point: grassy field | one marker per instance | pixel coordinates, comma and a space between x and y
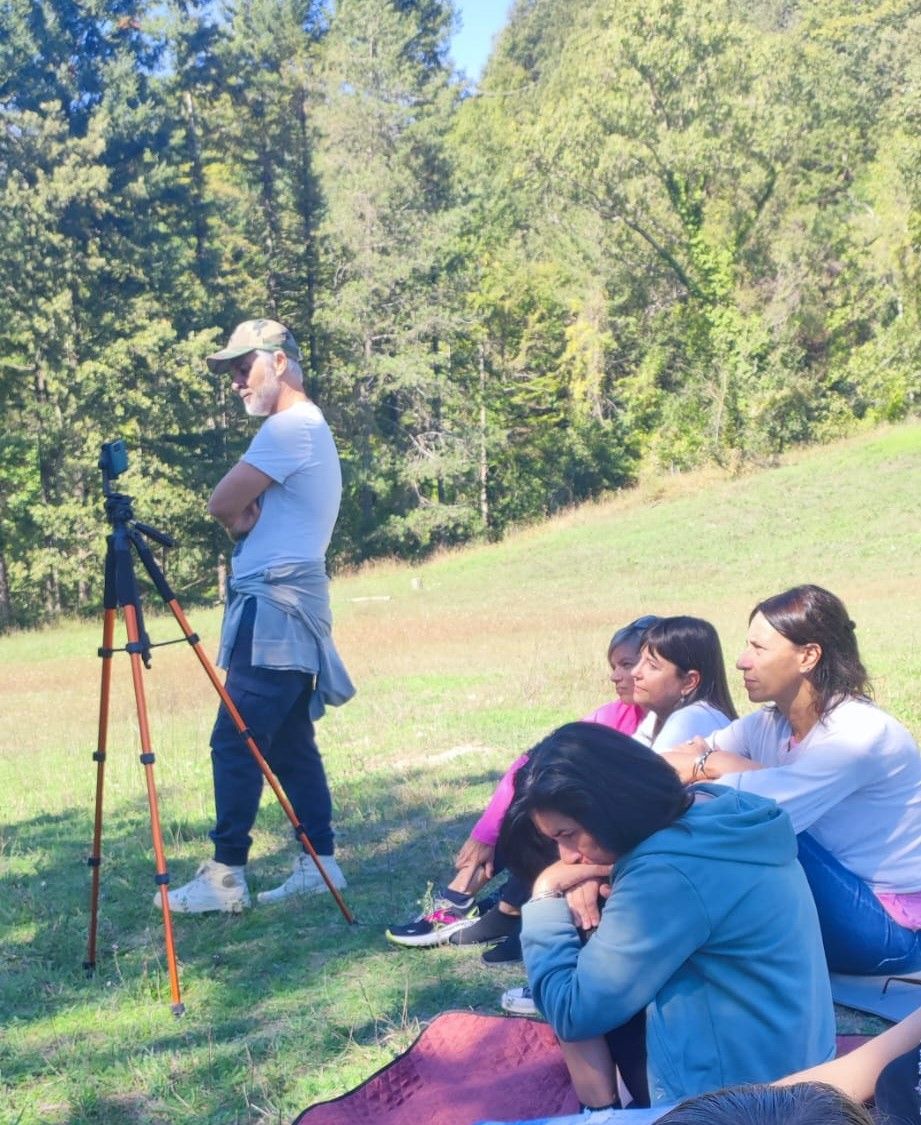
461, 664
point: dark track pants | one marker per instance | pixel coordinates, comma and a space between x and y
274, 704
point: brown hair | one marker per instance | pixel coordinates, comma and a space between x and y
812, 615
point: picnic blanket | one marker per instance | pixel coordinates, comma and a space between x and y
463, 1069
845, 1044
892, 997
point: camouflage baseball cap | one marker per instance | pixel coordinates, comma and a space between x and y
251, 336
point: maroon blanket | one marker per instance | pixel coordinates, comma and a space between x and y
465, 1068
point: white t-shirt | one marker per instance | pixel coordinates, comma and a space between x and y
699, 718
296, 449
854, 782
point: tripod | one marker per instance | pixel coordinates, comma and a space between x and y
129, 536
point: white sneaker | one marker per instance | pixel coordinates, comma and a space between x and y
215, 887
518, 1001
306, 879
599, 1116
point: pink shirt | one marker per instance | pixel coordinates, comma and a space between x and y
623, 717
904, 909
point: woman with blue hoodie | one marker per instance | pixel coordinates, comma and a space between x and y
707, 967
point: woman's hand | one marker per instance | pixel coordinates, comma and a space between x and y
683, 756
563, 877
473, 855
684, 759
583, 902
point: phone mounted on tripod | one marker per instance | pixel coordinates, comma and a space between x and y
113, 460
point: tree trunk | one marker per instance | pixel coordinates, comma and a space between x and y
484, 460
6, 600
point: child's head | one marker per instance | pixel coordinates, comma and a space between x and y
803, 1103
624, 652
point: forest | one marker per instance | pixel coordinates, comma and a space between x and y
655, 234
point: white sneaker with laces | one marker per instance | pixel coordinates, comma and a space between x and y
599, 1116
306, 879
216, 886
519, 1002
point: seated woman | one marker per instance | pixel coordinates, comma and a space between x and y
848, 775
693, 977
453, 915
680, 679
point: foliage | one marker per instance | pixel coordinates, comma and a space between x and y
660, 232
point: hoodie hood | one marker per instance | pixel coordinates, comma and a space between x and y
759, 830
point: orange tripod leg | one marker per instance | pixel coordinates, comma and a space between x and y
95, 859
147, 760
270, 777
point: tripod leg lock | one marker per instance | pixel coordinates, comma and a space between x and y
107, 653
99, 755
93, 861
147, 759
193, 638
162, 880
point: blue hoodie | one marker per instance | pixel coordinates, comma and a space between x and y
711, 927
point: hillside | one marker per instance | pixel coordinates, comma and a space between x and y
460, 664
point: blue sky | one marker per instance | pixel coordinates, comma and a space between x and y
481, 19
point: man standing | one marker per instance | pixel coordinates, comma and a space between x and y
279, 503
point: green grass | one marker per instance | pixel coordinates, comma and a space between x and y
461, 663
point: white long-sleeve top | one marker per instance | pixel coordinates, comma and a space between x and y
854, 782
698, 718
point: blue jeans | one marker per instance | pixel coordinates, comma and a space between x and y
859, 936
274, 705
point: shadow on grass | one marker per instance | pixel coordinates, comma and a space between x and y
285, 1005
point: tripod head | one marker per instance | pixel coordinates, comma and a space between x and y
121, 588
113, 461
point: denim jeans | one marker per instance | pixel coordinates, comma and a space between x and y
860, 937
274, 705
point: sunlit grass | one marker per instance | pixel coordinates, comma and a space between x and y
461, 663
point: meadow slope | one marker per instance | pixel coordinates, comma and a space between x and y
461, 663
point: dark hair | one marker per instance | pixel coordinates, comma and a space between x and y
633, 633
803, 1103
812, 615
692, 644
615, 788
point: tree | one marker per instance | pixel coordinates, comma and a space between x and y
388, 100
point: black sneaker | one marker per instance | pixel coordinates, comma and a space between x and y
505, 953
492, 926
440, 918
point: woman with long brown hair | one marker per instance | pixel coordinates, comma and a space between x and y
847, 773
